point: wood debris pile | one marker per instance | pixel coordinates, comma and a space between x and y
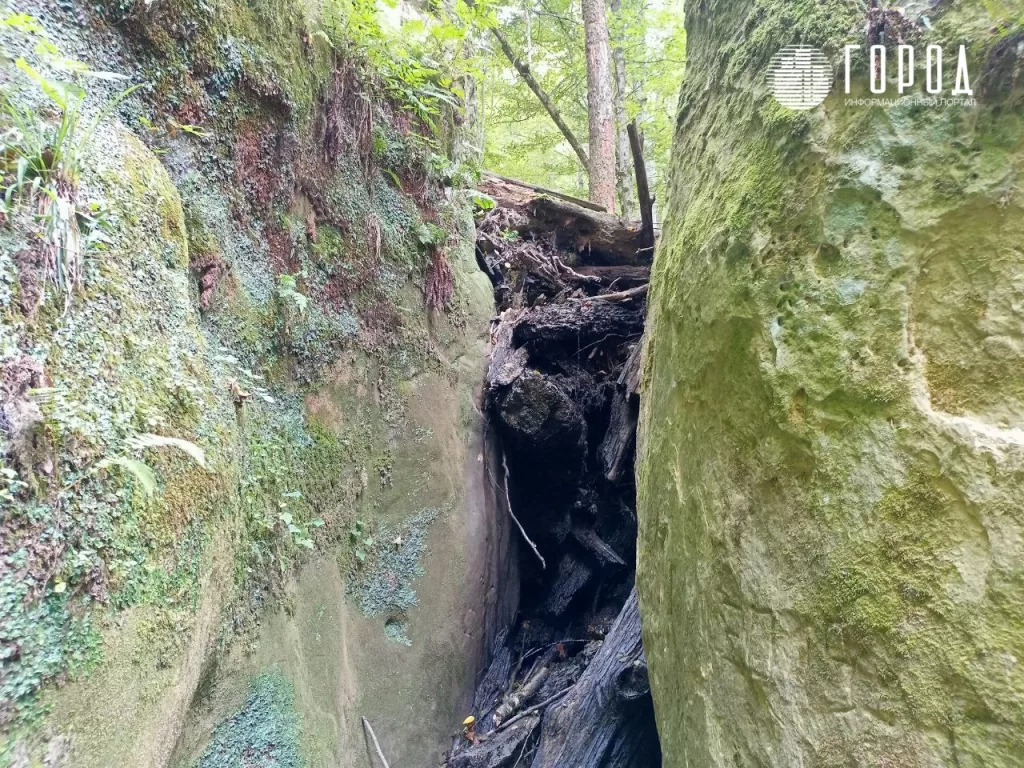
567, 682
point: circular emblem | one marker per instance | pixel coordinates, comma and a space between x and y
800, 77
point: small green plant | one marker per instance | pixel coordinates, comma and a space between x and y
299, 534
40, 159
140, 470
10, 483
483, 202
360, 540
289, 295
192, 130
430, 235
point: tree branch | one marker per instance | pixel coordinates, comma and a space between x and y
516, 519
636, 145
524, 71
376, 744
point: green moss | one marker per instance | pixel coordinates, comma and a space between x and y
872, 587
42, 639
265, 732
330, 246
200, 242
133, 355
830, 390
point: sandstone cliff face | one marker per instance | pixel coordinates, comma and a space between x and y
272, 238
831, 558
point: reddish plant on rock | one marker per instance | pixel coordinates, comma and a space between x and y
440, 284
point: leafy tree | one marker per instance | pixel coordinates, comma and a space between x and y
520, 138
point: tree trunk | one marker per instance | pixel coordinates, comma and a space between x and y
831, 442
623, 167
605, 720
599, 105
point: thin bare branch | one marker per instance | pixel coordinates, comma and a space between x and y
376, 744
516, 519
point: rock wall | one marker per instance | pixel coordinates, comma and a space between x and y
283, 282
831, 558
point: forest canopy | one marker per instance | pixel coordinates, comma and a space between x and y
520, 140
528, 94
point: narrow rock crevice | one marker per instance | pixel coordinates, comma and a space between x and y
567, 681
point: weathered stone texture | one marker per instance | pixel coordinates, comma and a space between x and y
831, 460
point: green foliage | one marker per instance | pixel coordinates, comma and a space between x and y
279, 485
39, 160
520, 140
126, 522
265, 733
420, 61
430, 235
41, 639
483, 202
140, 470
289, 295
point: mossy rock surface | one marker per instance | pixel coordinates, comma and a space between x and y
265, 303
831, 564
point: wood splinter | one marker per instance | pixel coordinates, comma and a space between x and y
514, 701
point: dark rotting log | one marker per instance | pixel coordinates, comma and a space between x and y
562, 391
630, 376
492, 685
579, 323
607, 718
573, 575
590, 541
507, 362
500, 750
539, 416
619, 276
598, 238
617, 446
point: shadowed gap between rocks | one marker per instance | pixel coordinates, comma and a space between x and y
567, 681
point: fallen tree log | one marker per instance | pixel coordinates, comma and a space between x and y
600, 239
545, 191
607, 718
619, 276
501, 750
578, 322
590, 541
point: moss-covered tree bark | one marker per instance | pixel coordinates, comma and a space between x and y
832, 439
